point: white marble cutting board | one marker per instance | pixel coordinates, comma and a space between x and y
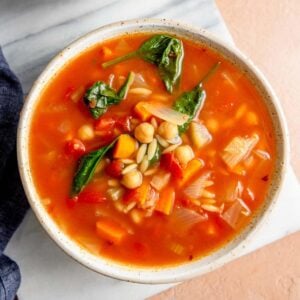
31, 32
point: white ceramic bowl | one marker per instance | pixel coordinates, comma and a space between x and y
146, 274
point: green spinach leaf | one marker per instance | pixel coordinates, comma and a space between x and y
100, 96
190, 103
165, 52
86, 168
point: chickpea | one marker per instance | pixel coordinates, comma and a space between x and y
168, 130
184, 154
144, 133
132, 179
86, 132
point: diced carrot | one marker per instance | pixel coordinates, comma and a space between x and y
105, 52
110, 230
194, 166
141, 112
125, 146
139, 194
166, 201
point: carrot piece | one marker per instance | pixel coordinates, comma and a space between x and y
141, 112
110, 230
125, 146
192, 168
139, 194
166, 201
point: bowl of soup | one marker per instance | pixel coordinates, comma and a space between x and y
150, 151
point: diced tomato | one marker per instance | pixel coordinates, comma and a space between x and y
91, 197
75, 148
110, 127
71, 202
123, 123
105, 124
171, 164
68, 92
114, 169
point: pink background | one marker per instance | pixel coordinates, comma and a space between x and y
269, 33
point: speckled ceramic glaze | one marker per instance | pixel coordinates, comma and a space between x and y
147, 274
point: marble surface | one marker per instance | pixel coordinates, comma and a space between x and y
35, 31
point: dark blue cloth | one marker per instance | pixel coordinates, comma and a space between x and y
13, 203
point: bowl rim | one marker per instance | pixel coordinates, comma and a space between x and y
114, 269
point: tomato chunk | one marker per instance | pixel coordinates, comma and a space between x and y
114, 169
171, 164
74, 148
123, 123
91, 197
105, 123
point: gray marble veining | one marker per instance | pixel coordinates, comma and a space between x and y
33, 31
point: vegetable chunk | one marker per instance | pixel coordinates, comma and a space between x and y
238, 149
110, 230
125, 146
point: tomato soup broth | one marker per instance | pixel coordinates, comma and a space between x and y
200, 191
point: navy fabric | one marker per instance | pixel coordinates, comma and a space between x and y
13, 203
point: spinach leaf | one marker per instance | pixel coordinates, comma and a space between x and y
171, 64
190, 103
86, 168
165, 52
100, 96
122, 93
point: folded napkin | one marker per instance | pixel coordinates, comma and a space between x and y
13, 203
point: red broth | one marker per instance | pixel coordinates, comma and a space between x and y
180, 229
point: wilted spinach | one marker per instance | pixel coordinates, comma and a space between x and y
190, 103
165, 52
86, 168
100, 96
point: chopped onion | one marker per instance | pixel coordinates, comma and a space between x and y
232, 214
139, 81
246, 211
234, 190
151, 200
159, 181
182, 219
195, 189
238, 149
111, 78
229, 79
166, 113
199, 134
262, 154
